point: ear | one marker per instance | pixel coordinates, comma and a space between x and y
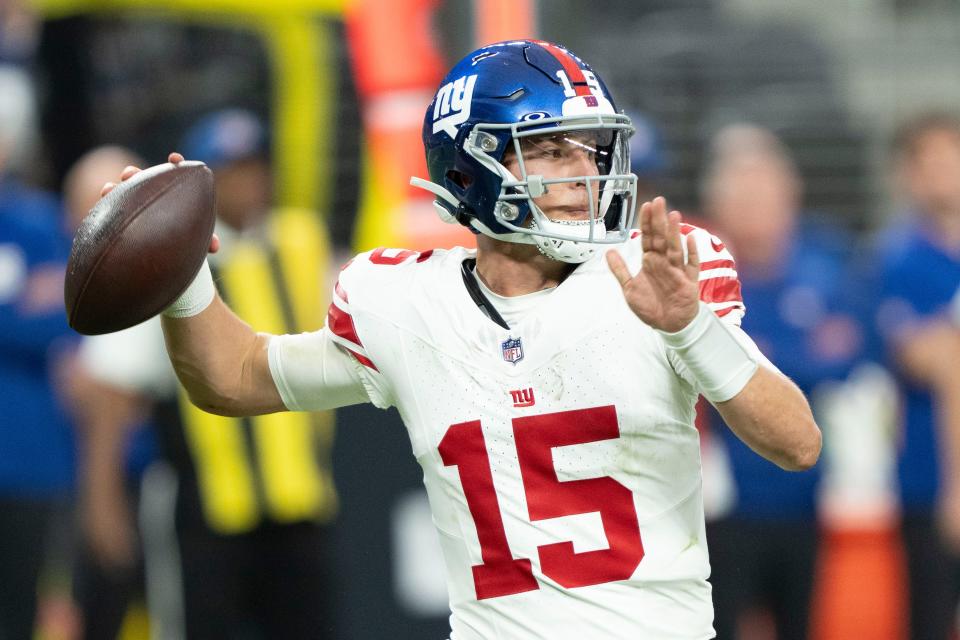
459, 178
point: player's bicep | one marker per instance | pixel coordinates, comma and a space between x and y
312, 373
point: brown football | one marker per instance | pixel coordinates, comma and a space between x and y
139, 247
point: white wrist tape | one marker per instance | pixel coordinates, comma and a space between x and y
196, 298
717, 361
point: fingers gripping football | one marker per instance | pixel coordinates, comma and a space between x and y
130, 171
665, 292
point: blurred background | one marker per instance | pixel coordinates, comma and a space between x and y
818, 139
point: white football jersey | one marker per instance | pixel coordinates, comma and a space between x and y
560, 456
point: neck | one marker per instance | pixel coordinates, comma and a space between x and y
509, 269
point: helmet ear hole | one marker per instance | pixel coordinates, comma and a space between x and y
611, 219
459, 178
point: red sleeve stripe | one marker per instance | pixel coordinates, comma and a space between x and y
365, 361
720, 290
345, 334
722, 312
341, 324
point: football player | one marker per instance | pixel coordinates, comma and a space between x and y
547, 379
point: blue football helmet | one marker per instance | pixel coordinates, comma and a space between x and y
492, 109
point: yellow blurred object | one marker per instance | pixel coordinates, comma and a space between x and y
136, 624
61, 8
299, 43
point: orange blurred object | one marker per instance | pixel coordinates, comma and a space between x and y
398, 66
498, 20
861, 585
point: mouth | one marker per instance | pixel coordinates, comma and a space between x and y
570, 213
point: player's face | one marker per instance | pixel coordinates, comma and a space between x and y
567, 155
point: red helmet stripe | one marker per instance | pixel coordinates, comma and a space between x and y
570, 66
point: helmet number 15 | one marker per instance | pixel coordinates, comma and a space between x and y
568, 89
501, 574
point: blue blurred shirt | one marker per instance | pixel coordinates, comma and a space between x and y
799, 320
36, 441
917, 280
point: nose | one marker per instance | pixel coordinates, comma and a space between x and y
581, 163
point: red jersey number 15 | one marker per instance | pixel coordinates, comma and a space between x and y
501, 574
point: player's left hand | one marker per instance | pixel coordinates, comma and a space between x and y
665, 293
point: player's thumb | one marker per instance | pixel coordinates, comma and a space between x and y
618, 267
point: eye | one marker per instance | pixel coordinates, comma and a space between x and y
545, 151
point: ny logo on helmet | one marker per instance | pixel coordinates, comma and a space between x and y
452, 106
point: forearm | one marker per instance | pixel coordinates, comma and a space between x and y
221, 362
772, 416
762, 406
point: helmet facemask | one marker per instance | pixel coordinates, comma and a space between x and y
576, 170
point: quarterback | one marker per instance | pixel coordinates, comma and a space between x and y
548, 379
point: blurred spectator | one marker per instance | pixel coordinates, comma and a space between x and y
763, 549
36, 449
109, 566
254, 496
918, 265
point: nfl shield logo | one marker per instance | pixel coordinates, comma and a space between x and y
512, 350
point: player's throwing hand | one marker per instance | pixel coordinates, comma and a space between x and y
664, 293
130, 171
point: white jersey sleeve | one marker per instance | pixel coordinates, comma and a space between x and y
313, 373
335, 367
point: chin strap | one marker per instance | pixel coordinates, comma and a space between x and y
467, 268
